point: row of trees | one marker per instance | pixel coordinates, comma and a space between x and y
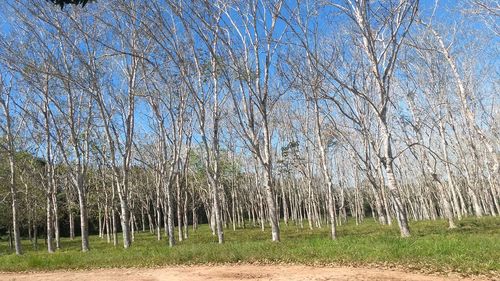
144, 115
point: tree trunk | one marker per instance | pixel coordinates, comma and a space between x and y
392, 183
268, 187
170, 215
12, 177
125, 218
83, 217
178, 205
50, 224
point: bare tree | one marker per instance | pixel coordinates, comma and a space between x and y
6, 102
252, 46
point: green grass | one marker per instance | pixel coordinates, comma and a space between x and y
472, 248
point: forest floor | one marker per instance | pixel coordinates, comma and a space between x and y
234, 272
365, 251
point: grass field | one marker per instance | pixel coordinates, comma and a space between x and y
473, 248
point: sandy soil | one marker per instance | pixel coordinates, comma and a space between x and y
231, 272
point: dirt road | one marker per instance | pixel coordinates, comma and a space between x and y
230, 272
